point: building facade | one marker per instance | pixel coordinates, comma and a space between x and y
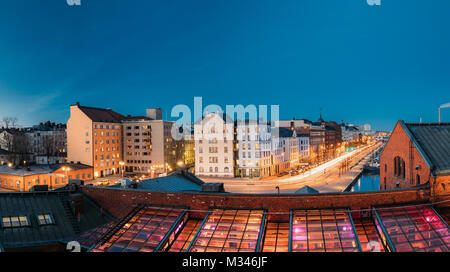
148, 144
214, 145
416, 154
253, 144
94, 137
54, 175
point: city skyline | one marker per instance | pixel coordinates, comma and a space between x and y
360, 63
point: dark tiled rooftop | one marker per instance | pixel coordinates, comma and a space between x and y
102, 115
59, 206
434, 139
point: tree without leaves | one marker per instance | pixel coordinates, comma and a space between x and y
9, 122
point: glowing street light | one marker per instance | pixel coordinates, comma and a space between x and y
66, 169
122, 166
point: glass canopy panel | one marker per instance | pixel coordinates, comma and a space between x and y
415, 228
323, 231
368, 236
229, 231
276, 237
183, 240
144, 231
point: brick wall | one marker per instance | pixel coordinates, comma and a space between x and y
400, 145
120, 201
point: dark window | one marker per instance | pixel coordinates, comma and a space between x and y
399, 167
418, 179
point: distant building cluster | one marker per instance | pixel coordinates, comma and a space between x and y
248, 148
215, 146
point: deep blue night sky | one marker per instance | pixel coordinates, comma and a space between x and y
360, 63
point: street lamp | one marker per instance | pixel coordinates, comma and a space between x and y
122, 166
66, 169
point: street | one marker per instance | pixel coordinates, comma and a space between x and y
325, 178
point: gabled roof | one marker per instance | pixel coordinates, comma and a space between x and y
433, 142
306, 190
102, 115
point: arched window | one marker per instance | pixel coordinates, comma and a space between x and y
216, 169
226, 169
210, 169
399, 167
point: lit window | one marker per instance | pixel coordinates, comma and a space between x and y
45, 219
15, 221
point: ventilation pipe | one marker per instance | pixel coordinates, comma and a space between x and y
442, 107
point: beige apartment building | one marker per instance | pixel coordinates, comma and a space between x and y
148, 144
112, 142
94, 137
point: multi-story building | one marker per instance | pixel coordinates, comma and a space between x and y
303, 147
15, 142
148, 144
185, 150
253, 144
349, 132
94, 137
214, 145
290, 148
47, 143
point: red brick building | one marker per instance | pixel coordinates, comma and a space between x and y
416, 154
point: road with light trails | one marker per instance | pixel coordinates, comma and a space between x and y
325, 178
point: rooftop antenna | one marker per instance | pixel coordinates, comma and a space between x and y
442, 107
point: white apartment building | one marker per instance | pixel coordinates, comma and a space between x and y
148, 144
214, 149
303, 146
349, 133
290, 146
254, 145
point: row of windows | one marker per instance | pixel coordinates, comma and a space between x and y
24, 221
213, 160
105, 126
139, 161
212, 170
138, 127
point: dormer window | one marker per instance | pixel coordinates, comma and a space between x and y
15, 221
45, 219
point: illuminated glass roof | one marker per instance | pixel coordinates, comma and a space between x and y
413, 228
151, 228
368, 236
229, 231
276, 237
323, 231
183, 240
